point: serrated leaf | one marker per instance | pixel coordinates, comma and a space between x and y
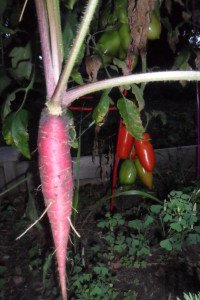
131, 117
15, 131
139, 95
102, 108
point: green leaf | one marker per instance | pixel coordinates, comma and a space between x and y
119, 63
131, 117
166, 244
167, 218
176, 226
139, 94
80, 55
193, 238
156, 114
73, 137
148, 221
23, 70
6, 30
102, 108
6, 106
19, 54
135, 224
69, 31
21, 61
46, 268
15, 131
69, 3
181, 60
156, 208
77, 77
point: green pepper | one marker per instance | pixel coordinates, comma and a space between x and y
125, 36
127, 173
121, 10
154, 27
108, 45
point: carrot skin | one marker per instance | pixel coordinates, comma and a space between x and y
57, 184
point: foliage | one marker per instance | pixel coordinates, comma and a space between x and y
125, 239
190, 296
21, 62
96, 283
179, 220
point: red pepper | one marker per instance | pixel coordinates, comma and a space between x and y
145, 152
125, 142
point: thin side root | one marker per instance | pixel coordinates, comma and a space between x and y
42, 215
23, 9
72, 226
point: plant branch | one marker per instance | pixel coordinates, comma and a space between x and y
45, 46
82, 32
86, 89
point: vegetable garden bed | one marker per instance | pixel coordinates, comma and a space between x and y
118, 256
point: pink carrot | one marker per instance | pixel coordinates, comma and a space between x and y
57, 184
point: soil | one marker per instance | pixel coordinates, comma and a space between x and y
160, 276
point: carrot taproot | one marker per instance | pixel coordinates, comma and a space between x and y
57, 184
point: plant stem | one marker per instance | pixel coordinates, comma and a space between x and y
86, 89
55, 36
45, 45
82, 32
